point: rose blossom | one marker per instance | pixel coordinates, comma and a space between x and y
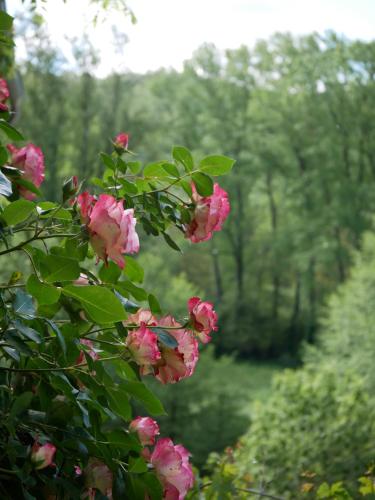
98, 477
203, 318
122, 140
146, 428
210, 213
143, 346
172, 466
42, 455
112, 229
3, 108
179, 362
30, 161
91, 352
4, 90
141, 316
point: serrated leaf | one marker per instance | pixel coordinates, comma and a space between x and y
171, 169
59, 268
108, 161
182, 155
216, 165
171, 242
128, 187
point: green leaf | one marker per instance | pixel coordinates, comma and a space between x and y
171, 169
137, 465
137, 292
17, 211
142, 394
203, 184
171, 243
108, 161
128, 187
59, 335
58, 268
44, 294
27, 332
29, 186
13, 338
216, 165
100, 303
23, 304
154, 304
5, 185
133, 270
10, 131
3, 155
183, 156
109, 273
6, 21
166, 338
155, 170
135, 166
20, 404
153, 485
128, 304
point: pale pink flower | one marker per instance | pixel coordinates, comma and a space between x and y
30, 161
141, 316
91, 352
112, 230
173, 469
210, 213
146, 428
143, 346
122, 140
4, 90
98, 477
42, 455
82, 280
179, 362
203, 318
86, 203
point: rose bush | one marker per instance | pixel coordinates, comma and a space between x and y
78, 332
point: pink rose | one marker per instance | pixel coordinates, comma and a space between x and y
98, 477
3, 108
210, 213
112, 229
143, 346
179, 362
122, 141
30, 161
4, 90
173, 469
141, 316
91, 352
42, 455
203, 318
146, 428
86, 203
82, 280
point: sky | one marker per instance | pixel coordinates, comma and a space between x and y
168, 31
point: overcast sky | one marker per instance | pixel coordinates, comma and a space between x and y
168, 31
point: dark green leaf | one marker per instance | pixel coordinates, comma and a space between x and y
183, 156
20, 404
137, 465
216, 165
23, 304
109, 273
100, 303
137, 292
171, 169
13, 338
135, 166
3, 155
140, 392
108, 161
203, 184
154, 304
171, 243
27, 332
59, 335
17, 211
10, 131
29, 186
6, 21
155, 170
165, 337
128, 304
128, 187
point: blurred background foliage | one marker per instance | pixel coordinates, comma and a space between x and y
298, 114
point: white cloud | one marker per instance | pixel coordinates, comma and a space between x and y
168, 31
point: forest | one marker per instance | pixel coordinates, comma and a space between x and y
283, 398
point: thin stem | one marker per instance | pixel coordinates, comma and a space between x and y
56, 369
